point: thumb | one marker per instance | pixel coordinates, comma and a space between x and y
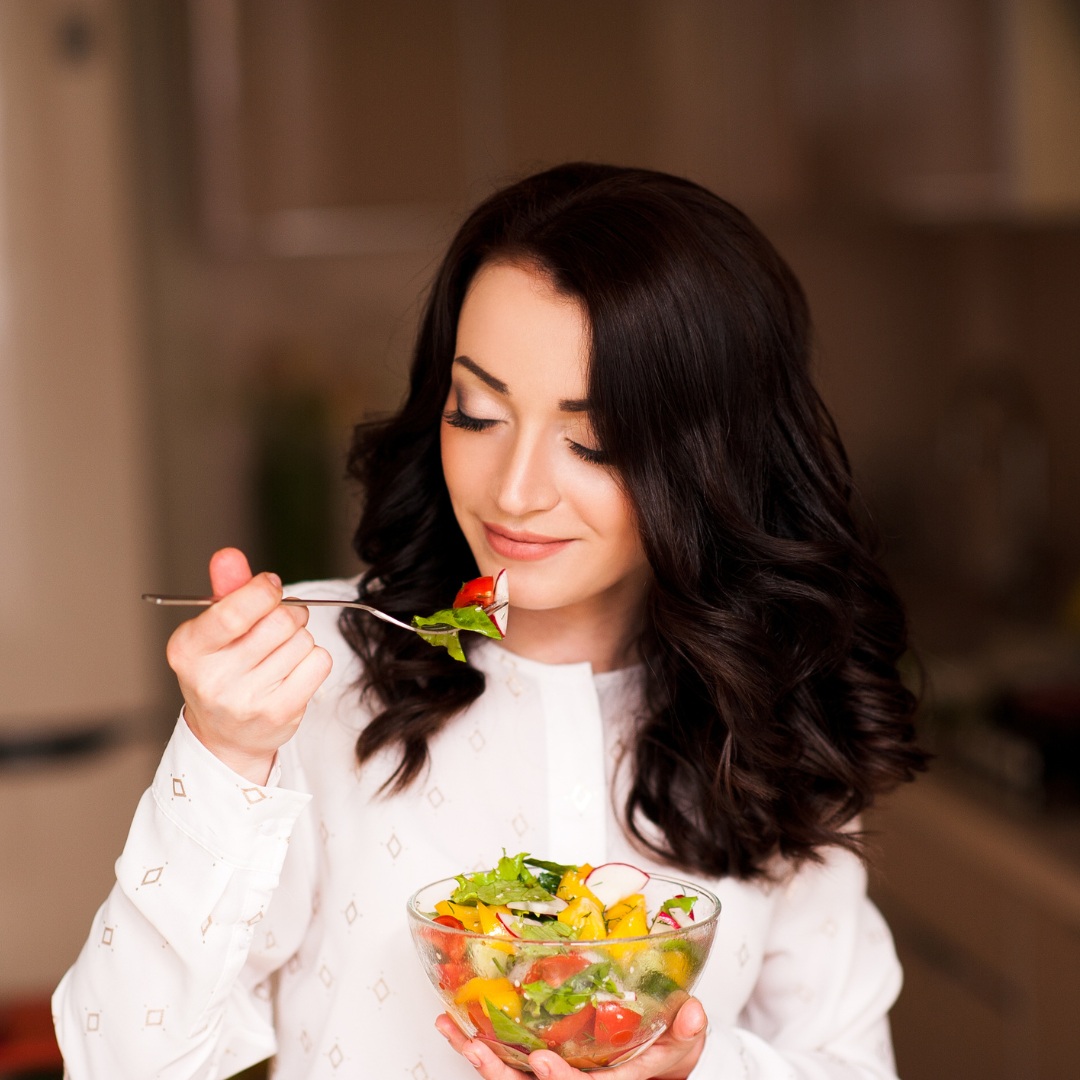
229, 570
689, 1021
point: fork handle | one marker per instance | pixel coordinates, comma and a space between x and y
295, 601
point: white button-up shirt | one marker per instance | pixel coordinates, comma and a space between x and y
250, 921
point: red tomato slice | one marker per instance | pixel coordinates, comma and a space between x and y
569, 1027
476, 593
555, 970
480, 1020
451, 945
454, 974
615, 1025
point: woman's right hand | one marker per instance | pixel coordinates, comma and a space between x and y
247, 667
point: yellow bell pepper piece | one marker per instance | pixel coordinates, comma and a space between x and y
676, 966
627, 919
466, 914
500, 992
488, 915
586, 917
573, 887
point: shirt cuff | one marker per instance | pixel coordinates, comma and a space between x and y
245, 824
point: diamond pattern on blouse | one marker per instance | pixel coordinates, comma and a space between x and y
153, 875
393, 845
514, 686
436, 797
477, 740
326, 976
351, 913
271, 941
520, 825
336, 1056
324, 832
206, 925
253, 795
93, 1021
418, 1071
178, 788
107, 936
293, 964
381, 990
580, 797
262, 990
743, 955
154, 1018
257, 917
305, 1040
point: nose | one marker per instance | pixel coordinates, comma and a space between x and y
526, 481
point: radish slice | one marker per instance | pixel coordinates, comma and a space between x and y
538, 907
664, 922
506, 924
613, 881
501, 596
681, 918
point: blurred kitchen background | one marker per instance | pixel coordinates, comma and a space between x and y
216, 219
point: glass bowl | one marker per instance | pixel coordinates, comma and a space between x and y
594, 1003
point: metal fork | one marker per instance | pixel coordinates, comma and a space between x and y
295, 601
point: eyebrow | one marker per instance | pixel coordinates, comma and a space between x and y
571, 405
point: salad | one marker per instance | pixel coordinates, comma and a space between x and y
481, 605
588, 961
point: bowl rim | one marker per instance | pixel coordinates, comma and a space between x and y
675, 932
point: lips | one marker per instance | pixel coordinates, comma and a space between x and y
523, 546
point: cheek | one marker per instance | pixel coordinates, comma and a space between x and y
462, 467
606, 508
453, 462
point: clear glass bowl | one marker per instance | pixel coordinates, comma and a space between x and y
650, 977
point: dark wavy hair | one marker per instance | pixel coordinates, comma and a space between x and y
773, 709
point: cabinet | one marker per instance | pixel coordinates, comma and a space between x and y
955, 110
986, 915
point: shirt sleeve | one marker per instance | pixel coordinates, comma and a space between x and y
819, 1010
159, 988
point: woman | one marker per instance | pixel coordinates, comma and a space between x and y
610, 397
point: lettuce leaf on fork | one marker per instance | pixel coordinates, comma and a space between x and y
462, 618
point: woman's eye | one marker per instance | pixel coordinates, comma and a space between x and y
456, 418
594, 457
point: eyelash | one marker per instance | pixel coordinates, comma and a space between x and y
457, 418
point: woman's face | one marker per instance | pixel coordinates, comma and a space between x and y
522, 465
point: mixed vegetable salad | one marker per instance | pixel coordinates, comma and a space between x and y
572, 960
481, 605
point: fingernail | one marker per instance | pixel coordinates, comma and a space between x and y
541, 1068
274, 579
472, 1058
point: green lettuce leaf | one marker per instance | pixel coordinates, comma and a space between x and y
545, 930
463, 618
510, 1031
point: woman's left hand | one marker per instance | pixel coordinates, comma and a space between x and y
671, 1057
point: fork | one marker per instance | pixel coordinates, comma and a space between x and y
295, 601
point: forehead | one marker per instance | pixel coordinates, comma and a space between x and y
515, 325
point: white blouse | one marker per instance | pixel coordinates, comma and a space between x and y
252, 921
